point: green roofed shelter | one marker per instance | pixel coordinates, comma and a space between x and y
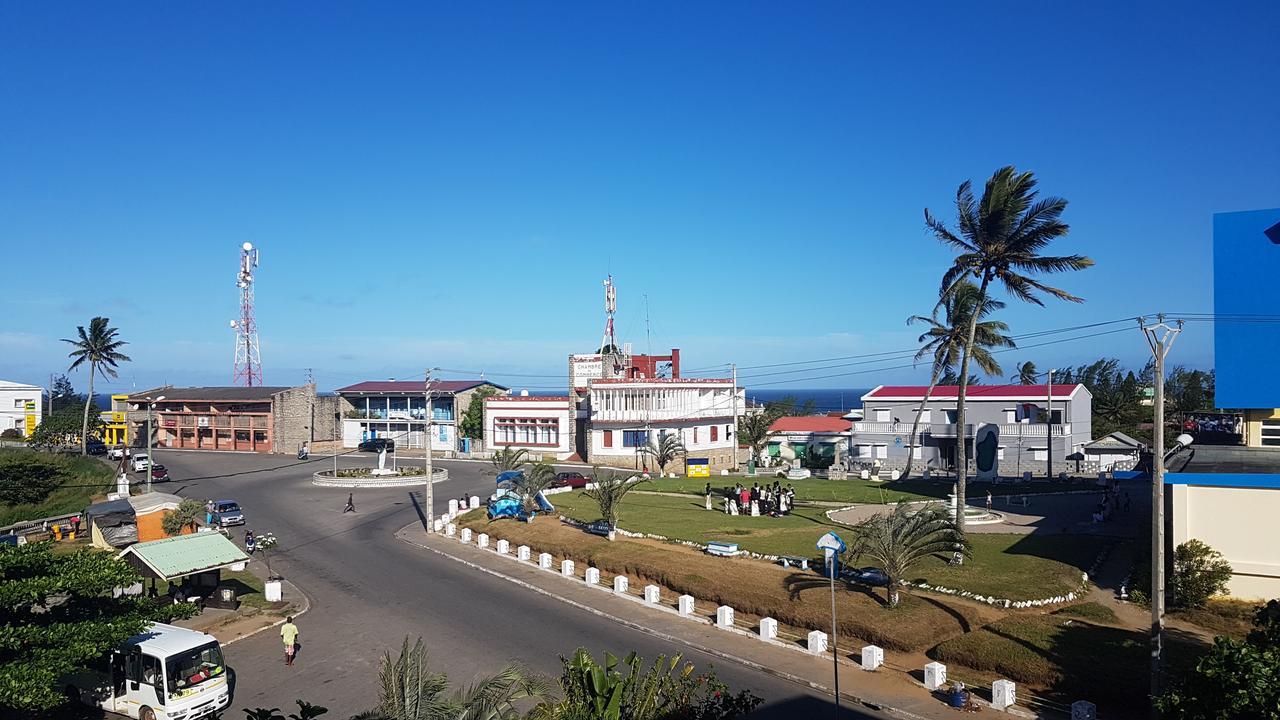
184, 555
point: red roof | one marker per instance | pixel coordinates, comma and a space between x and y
812, 424
411, 387
942, 392
527, 398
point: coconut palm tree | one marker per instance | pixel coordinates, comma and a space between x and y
944, 340
1000, 239
508, 459
900, 539
609, 490
1026, 374
669, 448
99, 347
753, 430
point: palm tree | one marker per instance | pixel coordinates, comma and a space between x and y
898, 540
944, 341
669, 448
100, 348
1027, 374
1000, 240
507, 459
609, 490
539, 477
754, 431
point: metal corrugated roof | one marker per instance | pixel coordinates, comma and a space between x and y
411, 387
186, 554
258, 392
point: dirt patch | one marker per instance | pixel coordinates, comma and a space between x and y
796, 598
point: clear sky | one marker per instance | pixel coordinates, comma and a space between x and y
447, 185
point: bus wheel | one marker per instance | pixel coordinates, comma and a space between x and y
146, 713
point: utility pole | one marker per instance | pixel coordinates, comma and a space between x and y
431, 495
1160, 337
733, 446
1048, 430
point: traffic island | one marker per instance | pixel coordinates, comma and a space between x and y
372, 478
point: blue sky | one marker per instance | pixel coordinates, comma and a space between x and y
447, 185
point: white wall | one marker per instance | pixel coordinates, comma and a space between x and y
1237, 522
533, 409
13, 397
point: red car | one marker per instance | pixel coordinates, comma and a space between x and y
574, 480
159, 472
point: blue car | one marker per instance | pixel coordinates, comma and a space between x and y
872, 576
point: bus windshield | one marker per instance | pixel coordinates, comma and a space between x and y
188, 669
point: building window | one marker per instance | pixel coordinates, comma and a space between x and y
715, 429
882, 451
1000, 453
882, 415
523, 431
608, 438
1011, 415
926, 416
635, 438
695, 435
1040, 453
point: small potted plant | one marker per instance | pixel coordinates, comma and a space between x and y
266, 542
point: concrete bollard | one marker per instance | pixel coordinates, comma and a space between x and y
651, 594
566, 568
872, 657
620, 583
503, 547
684, 604
724, 616
1003, 694
817, 643
482, 540
453, 507
450, 530
935, 675
895, 474
865, 475
592, 576
544, 561
473, 502
768, 629
438, 525
522, 553
1084, 710
465, 536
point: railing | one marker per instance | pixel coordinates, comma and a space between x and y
671, 414
948, 430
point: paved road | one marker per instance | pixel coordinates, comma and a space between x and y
368, 590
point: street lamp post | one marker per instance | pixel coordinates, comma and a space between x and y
1160, 337
151, 408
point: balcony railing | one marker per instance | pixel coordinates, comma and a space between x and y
948, 430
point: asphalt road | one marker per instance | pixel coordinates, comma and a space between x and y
369, 590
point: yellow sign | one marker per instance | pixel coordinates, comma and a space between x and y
31, 424
117, 417
697, 468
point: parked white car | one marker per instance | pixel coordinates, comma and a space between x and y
116, 453
141, 462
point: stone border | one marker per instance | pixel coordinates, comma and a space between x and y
326, 479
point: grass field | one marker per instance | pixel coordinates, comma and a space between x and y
1017, 567
81, 479
853, 491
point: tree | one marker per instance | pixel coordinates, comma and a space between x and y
266, 544
62, 393
100, 348
507, 459
64, 427
608, 493
753, 430
57, 615
187, 515
1235, 679
944, 340
537, 478
668, 448
1199, 573
1000, 240
899, 539
471, 425
1027, 374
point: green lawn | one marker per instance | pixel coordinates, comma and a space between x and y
249, 591
1018, 567
854, 491
81, 479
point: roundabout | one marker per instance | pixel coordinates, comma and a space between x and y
369, 478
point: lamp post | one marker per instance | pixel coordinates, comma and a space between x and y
1048, 428
1160, 337
151, 408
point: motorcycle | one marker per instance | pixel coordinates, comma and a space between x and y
250, 544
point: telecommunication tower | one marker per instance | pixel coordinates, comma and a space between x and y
609, 344
247, 366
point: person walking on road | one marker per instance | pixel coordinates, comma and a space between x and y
988, 501
289, 633
351, 504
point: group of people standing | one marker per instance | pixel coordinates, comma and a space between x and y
773, 500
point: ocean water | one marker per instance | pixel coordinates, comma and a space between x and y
824, 399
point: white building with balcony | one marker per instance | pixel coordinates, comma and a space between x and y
397, 409
626, 414
1034, 422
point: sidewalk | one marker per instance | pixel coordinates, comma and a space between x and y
890, 689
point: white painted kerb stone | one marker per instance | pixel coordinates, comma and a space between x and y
620, 583
768, 629
817, 643
1003, 694
724, 616
482, 540
935, 675
503, 547
651, 594
872, 657
544, 561
474, 503
522, 553
437, 525
684, 605
592, 576
453, 507
465, 536
566, 568
450, 530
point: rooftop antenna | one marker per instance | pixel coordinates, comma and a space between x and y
247, 367
648, 344
609, 343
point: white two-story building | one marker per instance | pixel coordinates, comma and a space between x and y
628, 414
21, 406
397, 409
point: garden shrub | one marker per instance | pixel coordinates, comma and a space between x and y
1199, 573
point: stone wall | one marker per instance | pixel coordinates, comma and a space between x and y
299, 415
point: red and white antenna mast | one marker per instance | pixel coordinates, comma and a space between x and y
609, 344
247, 367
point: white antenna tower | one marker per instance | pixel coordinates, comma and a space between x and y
609, 344
247, 366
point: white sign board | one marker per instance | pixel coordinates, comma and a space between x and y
584, 368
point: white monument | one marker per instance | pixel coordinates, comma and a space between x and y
382, 464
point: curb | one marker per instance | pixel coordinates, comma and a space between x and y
662, 635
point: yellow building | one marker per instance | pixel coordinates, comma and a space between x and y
1262, 428
115, 429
